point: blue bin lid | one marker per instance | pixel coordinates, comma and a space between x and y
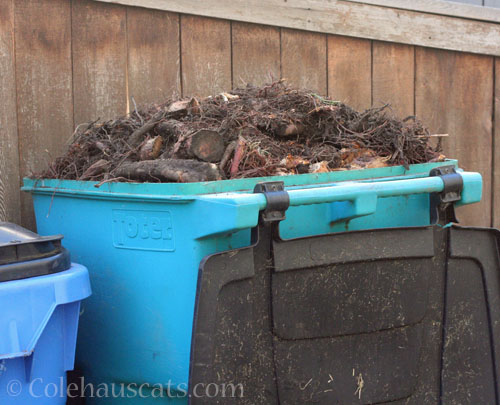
25, 254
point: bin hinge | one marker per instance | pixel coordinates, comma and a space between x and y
277, 199
441, 204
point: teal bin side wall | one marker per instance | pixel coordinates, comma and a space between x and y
137, 325
143, 244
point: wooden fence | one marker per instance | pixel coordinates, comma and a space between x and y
64, 62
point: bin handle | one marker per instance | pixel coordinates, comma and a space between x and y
355, 191
239, 211
471, 192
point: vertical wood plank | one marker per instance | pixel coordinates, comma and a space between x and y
454, 95
99, 60
394, 77
206, 55
496, 163
10, 204
44, 87
349, 71
256, 54
153, 54
303, 59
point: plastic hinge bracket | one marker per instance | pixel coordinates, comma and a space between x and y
442, 204
277, 200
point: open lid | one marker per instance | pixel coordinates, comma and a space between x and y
26, 254
393, 315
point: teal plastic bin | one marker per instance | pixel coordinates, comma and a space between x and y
143, 244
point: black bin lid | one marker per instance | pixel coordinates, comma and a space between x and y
25, 254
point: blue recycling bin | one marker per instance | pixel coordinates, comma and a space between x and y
40, 294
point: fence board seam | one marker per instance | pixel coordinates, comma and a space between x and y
494, 123
371, 73
127, 62
181, 84
16, 96
72, 61
326, 63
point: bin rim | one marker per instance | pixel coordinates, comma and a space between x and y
185, 192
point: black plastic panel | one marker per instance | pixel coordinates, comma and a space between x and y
327, 370
472, 324
386, 316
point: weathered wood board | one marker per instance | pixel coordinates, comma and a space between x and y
153, 55
473, 2
454, 95
256, 54
10, 205
349, 71
303, 60
99, 60
206, 55
351, 19
44, 85
447, 7
394, 77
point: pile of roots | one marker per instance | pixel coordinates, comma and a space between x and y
250, 132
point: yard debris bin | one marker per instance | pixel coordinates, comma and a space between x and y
161, 312
40, 294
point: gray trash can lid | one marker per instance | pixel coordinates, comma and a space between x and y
26, 254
